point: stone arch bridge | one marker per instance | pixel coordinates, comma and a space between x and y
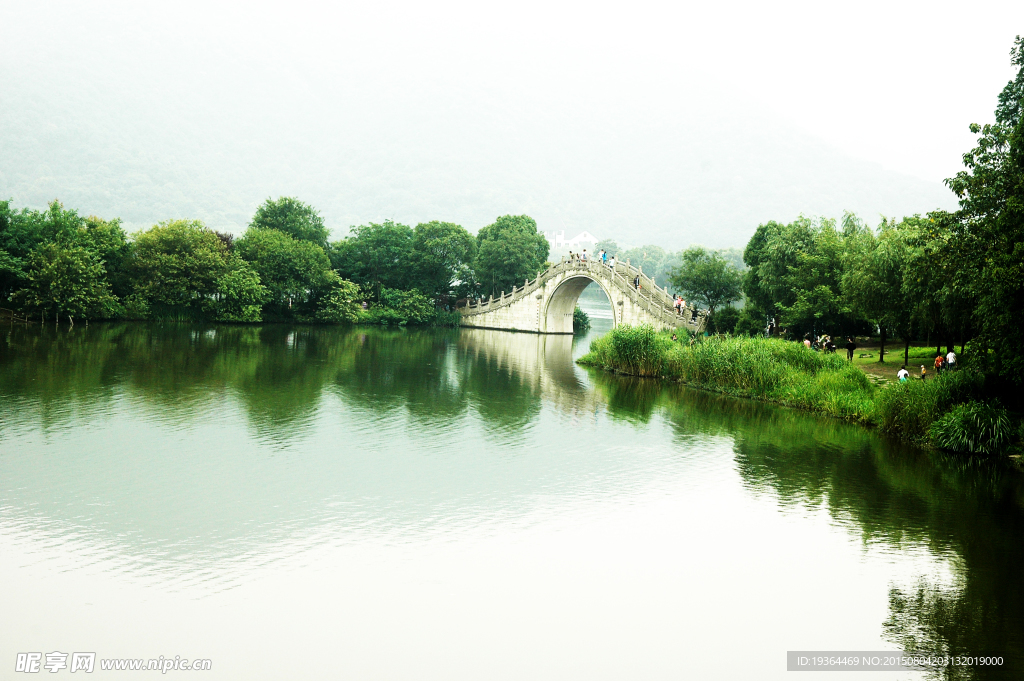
546, 304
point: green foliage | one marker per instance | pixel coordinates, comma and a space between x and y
761, 368
341, 303
749, 323
294, 272
176, 269
633, 350
293, 217
401, 307
442, 259
795, 273
706, 278
987, 232
509, 252
68, 281
240, 294
725, 320
376, 256
973, 428
580, 320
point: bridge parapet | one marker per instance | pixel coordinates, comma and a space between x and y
545, 305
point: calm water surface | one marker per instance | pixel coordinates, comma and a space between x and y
299, 503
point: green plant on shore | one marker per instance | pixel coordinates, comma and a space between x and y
580, 320
948, 411
973, 428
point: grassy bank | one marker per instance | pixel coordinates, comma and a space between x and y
947, 411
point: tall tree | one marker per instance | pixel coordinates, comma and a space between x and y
705, 277
293, 217
68, 281
376, 256
987, 239
795, 273
442, 258
176, 268
509, 251
294, 272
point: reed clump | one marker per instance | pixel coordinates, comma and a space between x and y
950, 411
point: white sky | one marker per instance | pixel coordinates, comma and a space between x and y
893, 83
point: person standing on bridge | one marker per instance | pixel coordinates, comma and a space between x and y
583, 257
611, 263
636, 282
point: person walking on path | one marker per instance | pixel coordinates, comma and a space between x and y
924, 373
850, 347
951, 360
939, 362
903, 374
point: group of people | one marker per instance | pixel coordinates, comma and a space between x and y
942, 363
823, 342
602, 257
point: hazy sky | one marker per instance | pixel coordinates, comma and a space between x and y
894, 84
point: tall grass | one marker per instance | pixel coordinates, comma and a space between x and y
760, 368
947, 411
973, 428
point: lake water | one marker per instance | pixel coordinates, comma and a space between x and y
364, 503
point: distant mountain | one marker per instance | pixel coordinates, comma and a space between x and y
149, 146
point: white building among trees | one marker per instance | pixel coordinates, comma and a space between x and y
581, 240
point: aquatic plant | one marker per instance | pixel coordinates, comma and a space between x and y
973, 428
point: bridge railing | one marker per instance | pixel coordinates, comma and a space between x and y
655, 300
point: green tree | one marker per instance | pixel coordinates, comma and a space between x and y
987, 240
376, 256
341, 303
874, 281
608, 245
293, 217
442, 258
509, 251
705, 277
795, 274
655, 261
294, 272
176, 268
240, 295
108, 240
68, 281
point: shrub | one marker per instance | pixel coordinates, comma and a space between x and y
580, 320
973, 428
907, 408
725, 319
400, 307
446, 318
341, 304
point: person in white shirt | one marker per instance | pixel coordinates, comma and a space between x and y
951, 360
903, 374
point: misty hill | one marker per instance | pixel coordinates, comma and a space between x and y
114, 132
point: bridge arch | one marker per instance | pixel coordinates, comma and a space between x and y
546, 304
556, 317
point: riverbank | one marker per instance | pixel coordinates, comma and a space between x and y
949, 412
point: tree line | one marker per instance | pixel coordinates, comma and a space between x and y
949, 277
56, 264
